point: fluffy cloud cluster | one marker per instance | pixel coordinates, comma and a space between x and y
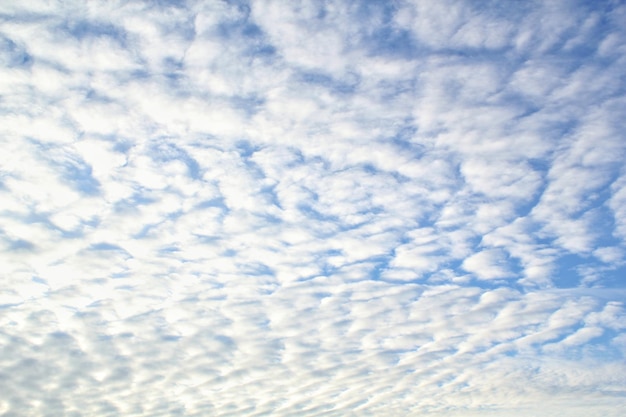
233, 208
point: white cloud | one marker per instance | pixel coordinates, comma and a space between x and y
487, 264
306, 209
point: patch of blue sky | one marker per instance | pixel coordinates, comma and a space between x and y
217, 202
247, 35
525, 207
381, 12
183, 26
240, 28
204, 239
165, 152
494, 284
33, 218
249, 105
140, 197
174, 72
389, 90
598, 347
404, 137
169, 4
369, 168
269, 219
79, 230
108, 247
14, 245
246, 149
170, 337
122, 275
120, 144
149, 230
84, 29
347, 85
74, 171
79, 175
594, 274
39, 280
568, 270
604, 343
96, 96
379, 265
13, 55
604, 220
393, 42
497, 10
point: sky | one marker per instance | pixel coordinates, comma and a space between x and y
312, 208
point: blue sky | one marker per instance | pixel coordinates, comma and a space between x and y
314, 208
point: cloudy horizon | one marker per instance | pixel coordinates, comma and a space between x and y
312, 208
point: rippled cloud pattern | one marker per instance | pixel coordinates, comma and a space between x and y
312, 208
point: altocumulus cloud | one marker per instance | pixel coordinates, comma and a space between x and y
312, 208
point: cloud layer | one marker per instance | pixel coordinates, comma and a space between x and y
307, 209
